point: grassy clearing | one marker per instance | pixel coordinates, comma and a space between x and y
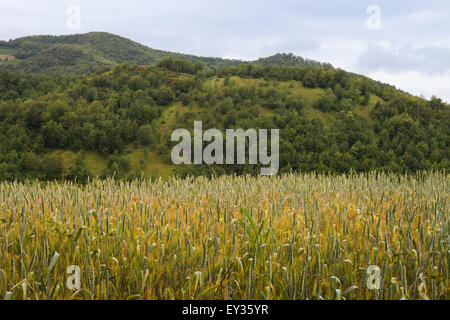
143, 161
7, 51
292, 87
95, 162
149, 163
289, 237
6, 56
172, 114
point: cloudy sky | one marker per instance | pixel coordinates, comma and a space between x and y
404, 43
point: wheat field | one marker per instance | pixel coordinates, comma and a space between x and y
299, 236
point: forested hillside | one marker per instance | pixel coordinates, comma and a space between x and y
96, 51
119, 121
85, 53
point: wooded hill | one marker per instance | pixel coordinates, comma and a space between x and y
97, 51
118, 120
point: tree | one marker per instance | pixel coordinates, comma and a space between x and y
295, 102
310, 80
92, 94
145, 135
52, 166
327, 101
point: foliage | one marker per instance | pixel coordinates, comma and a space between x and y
96, 51
290, 60
87, 53
329, 120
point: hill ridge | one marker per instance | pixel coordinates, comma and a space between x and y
89, 52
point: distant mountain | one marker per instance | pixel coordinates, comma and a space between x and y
91, 52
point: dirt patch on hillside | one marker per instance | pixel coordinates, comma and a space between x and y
6, 57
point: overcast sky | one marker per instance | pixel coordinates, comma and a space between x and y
404, 43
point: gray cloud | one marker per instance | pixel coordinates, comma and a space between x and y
429, 60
